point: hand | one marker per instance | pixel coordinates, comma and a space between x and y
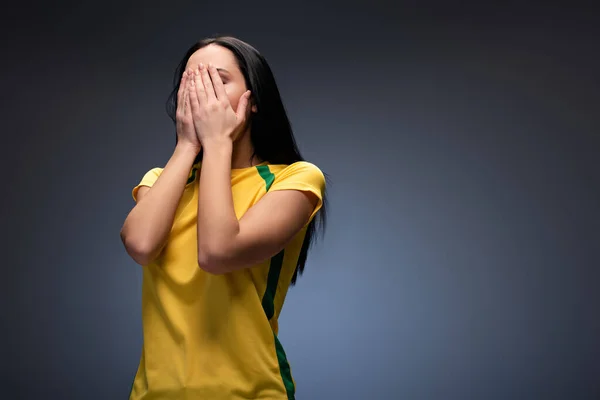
186, 134
214, 118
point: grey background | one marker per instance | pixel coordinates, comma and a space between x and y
462, 142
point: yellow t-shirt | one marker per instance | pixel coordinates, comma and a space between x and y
211, 336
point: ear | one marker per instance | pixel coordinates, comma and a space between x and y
251, 100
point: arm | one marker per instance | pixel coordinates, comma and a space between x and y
226, 244
146, 228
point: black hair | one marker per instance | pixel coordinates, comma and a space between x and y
271, 133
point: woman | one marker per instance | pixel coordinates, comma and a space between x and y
222, 231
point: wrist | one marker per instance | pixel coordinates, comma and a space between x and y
217, 145
187, 148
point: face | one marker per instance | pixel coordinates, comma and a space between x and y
226, 64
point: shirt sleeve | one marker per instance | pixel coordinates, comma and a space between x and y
302, 176
148, 180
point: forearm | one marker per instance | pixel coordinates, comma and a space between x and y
217, 222
147, 226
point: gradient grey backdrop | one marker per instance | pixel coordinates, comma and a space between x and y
462, 256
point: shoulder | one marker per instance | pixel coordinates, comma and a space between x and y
156, 171
299, 175
148, 179
151, 175
304, 168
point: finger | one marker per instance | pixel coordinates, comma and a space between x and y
217, 83
199, 87
242, 106
186, 101
182, 88
193, 97
208, 85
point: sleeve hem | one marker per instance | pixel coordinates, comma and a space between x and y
303, 187
135, 190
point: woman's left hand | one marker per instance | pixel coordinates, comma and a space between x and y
214, 118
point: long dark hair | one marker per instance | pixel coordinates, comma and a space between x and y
271, 132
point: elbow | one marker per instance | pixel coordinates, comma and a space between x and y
211, 261
142, 252
141, 255
141, 258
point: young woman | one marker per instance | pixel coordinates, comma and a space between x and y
222, 231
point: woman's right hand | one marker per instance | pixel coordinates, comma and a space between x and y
186, 134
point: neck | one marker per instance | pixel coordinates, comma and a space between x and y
242, 152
